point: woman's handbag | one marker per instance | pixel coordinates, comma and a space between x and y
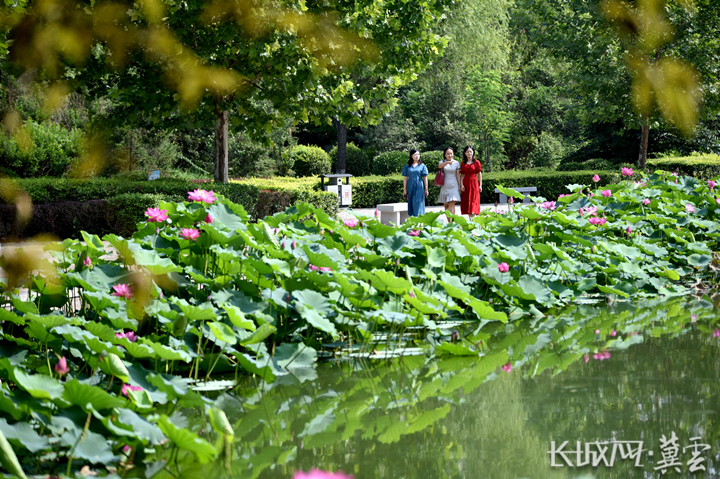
439, 178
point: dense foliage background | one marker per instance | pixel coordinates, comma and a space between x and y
539, 83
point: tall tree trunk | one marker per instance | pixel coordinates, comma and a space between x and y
644, 138
342, 147
221, 144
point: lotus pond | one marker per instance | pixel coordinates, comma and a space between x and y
195, 351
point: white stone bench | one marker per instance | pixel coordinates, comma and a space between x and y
523, 189
395, 213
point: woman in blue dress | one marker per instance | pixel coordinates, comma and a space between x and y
415, 184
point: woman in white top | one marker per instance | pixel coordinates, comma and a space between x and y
450, 191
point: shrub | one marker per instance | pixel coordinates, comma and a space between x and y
248, 157
547, 152
389, 163
357, 163
700, 166
39, 149
124, 212
433, 158
310, 161
144, 149
594, 164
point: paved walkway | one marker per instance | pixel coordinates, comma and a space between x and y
347, 212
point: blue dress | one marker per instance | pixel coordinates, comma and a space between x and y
415, 188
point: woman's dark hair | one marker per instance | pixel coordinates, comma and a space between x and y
412, 152
465, 154
446, 150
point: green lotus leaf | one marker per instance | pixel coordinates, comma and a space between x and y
259, 367
455, 349
238, 319
6, 315
435, 257
117, 367
93, 242
93, 448
90, 397
223, 332
385, 281
230, 215
219, 421
260, 334
139, 426
38, 385
23, 433
9, 460
510, 192
204, 312
699, 260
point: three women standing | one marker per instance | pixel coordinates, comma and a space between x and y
415, 184
470, 170
463, 183
450, 191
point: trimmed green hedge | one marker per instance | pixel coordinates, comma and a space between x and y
64, 207
700, 166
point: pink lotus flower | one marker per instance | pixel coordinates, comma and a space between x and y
414, 232
587, 357
377, 213
629, 230
613, 333
596, 178
590, 210
511, 200
507, 367
548, 205
717, 200
690, 208
716, 333
503, 267
126, 387
123, 291
597, 331
61, 368
209, 219
607, 193
293, 245
693, 317
130, 336
87, 262
350, 223
711, 184
156, 215
190, 234
126, 449
597, 221
202, 196
318, 474
319, 268
412, 295
646, 201
627, 171
596, 356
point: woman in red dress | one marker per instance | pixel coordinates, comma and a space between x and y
471, 187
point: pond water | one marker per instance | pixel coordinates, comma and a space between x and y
419, 417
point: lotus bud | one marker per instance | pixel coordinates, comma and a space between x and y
294, 244
282, 245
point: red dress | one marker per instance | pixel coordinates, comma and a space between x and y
470, 198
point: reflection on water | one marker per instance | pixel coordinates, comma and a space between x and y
463, 417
